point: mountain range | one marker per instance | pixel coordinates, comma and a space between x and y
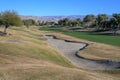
51, 18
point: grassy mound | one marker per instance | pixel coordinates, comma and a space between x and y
25, 55
29, 43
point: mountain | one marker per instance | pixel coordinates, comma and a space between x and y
54, 18
51, 18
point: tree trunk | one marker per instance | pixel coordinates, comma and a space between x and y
5, 30
114, 32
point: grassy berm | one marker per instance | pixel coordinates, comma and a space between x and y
25, 55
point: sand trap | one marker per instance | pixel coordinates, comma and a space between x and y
69, 50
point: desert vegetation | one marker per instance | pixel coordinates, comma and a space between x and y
10, 18
26, 55
29, 22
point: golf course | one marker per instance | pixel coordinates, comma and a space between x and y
60, 40
26, 55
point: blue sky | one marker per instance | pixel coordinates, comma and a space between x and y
61, 7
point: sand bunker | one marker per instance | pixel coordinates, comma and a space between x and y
69, 50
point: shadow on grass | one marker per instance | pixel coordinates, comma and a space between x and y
106, 34
102, 33
2, 33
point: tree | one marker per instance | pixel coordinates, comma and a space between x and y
73, 23
49, 23
40, 23
29, 22
117, 17
115, 23
1, 22
64, 22
52, 23
89, 20
10, 18
60, 22
101, 20
78, 21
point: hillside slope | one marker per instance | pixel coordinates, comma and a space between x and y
25, 55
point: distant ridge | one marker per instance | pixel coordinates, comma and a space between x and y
51, 18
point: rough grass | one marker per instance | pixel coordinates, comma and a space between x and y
50, 72
25, 55
101, 52
29, 43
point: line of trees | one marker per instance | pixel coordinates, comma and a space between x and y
101, 22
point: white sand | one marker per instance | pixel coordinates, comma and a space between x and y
68, 49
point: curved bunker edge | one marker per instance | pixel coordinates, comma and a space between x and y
89, 63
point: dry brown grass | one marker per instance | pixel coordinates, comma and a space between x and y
25, 56
48, 72
25, 68
101, 52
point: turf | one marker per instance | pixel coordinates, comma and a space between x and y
56, 29
112, 40
94, 37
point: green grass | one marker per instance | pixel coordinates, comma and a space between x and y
56, 29
95, 37
112, 40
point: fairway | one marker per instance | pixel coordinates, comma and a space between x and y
90, 36
94, 37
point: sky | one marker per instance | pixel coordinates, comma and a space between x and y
61, 7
